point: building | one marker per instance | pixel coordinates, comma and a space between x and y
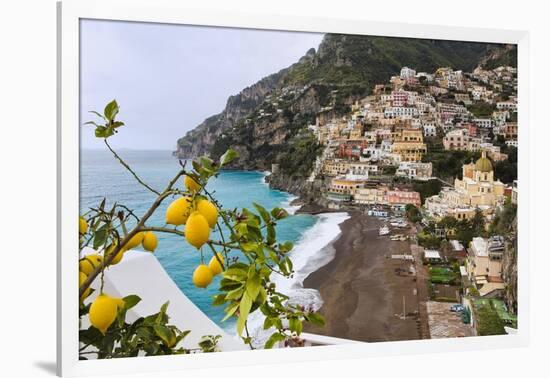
343, 189
409, 151
510, 131
335, 167
456, 140
415, 170
407, 73
432, 256
430, 130
409, 145
477, 186
401, 198
484, 262
370, 196
484, 123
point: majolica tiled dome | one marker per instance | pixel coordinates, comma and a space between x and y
483, 164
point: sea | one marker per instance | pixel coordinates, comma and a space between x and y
101, 176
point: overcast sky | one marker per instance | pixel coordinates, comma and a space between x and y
168, 78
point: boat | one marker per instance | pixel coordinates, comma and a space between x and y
384, 230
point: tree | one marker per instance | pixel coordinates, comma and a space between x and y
246, 286
413, 213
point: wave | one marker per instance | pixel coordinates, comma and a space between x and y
313, 251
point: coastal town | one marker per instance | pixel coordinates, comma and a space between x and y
431, 158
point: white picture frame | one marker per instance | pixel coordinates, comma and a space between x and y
172, 11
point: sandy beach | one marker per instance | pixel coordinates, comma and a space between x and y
364, 290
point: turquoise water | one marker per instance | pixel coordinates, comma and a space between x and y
101, 176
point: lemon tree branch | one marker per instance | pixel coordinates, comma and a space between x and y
125, 165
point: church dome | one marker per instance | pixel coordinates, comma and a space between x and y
483, 164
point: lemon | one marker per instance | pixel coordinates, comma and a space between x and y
81, 278
178, 211
82, 226
103, 311
214, 264
118, 256
202, 276
191, 184
150, 241
208, 209
134, 241
89, 263
197, 230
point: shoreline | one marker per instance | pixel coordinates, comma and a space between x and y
361, 290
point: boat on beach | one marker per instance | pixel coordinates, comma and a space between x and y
384, 230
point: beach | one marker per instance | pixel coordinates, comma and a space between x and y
367, 296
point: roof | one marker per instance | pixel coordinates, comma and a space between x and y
431, 254
457, 246
489, 287
483, 164
479, 246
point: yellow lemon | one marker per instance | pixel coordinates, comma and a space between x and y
178, 211
214, 264
202, 276
191, 185
150, 241
89, 263
134, 241
208, 209
82, 226
197, 230
103, 311
118, 256
81, 278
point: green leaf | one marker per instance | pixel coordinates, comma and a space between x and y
235, 294
249, 246
295, 325
244, 310
111, 110
168, 337
241, 229
130, 301
263, 212
100, 237
270, 234
98, 114
92, 123
268, 323
228, 157
230, 310
279, 213
286, 247
253, 285
100, 131
219, 300
275, 338
315, 318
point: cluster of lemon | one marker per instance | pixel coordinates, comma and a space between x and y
199, 216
